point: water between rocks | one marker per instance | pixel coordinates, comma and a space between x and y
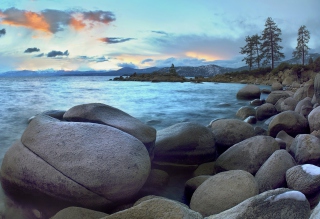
156, 104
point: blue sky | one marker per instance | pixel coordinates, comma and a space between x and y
110, 34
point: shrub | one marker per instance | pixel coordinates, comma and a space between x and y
316, 65
283, 66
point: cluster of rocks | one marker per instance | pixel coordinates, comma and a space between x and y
96, 157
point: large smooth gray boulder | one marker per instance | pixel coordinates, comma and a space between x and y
108, 115
228, 132
248, 155
314, 119
304, 178
185, 143
249, 92
274, 96
156, 208
279, 204
265, 111
303, 92
276, 86
289, 121
272, 174
245, 112
223, 191
305, 148
80, 213
100, 160
286, 104
304, 106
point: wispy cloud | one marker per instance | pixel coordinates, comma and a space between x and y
52, 21
54, 53
94, 59
159, 32
127, 65
113, 40
146, 60
30, 50
40, 55
2, 32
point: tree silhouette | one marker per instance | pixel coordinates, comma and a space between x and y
270, 43
302, 47
172, 70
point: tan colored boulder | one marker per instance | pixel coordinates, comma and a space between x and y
108, 115
245, 111
228, 132
289, 121
192, 184
249, 92
156, 208
286, 104
302, 105
303, 92
286, 138
274, 96
276, 86
305, 148
223, 191
272, 174
314, 119
278, 203
304, 178
248, 155
76, 212
205, 169
185, 143
265, 111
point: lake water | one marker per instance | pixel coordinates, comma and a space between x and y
157, 104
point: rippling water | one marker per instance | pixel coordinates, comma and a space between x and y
157, 104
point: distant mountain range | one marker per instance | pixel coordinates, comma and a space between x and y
186, 71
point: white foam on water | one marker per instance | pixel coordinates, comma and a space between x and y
311, 169
296, 195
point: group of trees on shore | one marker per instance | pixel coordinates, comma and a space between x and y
265, 49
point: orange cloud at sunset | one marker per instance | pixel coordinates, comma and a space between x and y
77, 24
202, 56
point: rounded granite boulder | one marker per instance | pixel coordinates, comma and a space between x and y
314, 119
274, 96
265, 111
249, 92
86, 164
185, 143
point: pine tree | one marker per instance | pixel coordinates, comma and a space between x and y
270, 43
302, 40
248, 49
257, 47
172, 70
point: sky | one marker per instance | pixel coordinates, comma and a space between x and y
111, 34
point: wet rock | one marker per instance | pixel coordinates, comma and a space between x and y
289, 121
157, 208
228, 132
76, 212
278, 203
251, 120
248, 155
314, 119
108, 115
304, 178
274, 96
192, 184
257, 102
205, 169
305, 148
245, 112
249, 92
223, 191
276, 86
272, 174
265, 111
185, 143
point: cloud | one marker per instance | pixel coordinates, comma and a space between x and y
53, 21
159, 32
54, 53
127, 65
2, 32
40, 55
94, 59
30, 50
113, 40
146, 60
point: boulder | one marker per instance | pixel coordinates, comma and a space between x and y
156, 208
278, 203
286, 138
205, 169
157, 179
282, 144
249, 92
276, 86
305, 148
260, 131
251, 120
303, 92
257, 102
304, 178
272, 174
274, 96
192, 184
228, 132
76, 212
265, 111
286, 104
223, 191
316, 212
289, 121
314, 119
245, 111
248, 155
317, 88
108, 115
185, 143
302, 105
86, 164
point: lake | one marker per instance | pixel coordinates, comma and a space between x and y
156, 104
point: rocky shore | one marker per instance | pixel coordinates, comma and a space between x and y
102, 163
